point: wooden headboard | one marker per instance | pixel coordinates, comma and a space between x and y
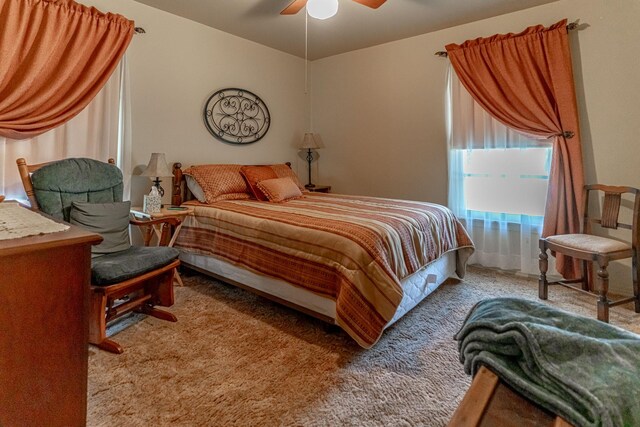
179, 191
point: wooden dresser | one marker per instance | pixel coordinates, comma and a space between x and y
44, 301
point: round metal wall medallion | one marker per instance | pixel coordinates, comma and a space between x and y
236, 116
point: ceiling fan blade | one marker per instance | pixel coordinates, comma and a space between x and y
373, 4
294, 7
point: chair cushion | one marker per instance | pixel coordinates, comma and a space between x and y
60, 183
589, 243
110, 220
120, 266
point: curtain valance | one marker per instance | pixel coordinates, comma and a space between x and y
56, 56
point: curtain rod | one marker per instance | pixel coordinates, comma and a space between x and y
139, 30
570, 26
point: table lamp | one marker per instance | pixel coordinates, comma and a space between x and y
157, 167
310, 142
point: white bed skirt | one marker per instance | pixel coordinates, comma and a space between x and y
416, 286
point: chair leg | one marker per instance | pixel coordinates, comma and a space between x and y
543, 285
586, 273
98, 325
636, 285
97, 318
164, 294
603, 289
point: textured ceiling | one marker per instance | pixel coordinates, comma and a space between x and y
354, 27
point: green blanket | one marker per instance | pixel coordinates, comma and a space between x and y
585, 370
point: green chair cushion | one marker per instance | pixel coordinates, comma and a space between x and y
120, 266
110, 220
60, 183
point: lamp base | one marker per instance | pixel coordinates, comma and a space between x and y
309, 160
156, 183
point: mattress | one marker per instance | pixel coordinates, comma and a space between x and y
415, 287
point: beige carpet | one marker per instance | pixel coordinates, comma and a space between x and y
236, 359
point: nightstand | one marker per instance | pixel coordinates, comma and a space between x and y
139, 214
320, 189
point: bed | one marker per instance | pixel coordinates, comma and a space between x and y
358, 262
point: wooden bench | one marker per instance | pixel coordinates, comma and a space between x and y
489, 402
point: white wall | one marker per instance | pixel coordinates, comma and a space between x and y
177, 65
380, 110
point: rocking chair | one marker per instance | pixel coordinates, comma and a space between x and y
124, 278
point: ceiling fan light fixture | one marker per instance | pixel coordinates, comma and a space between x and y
322, 9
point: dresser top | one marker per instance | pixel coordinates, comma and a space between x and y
72, 236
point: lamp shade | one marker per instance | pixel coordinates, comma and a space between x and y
157, 166
311, 141
322, 9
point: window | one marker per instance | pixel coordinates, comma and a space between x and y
512, 181
498, 181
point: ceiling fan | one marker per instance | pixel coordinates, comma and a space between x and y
295, 6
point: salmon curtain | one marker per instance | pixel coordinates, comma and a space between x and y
55, 56
525, 81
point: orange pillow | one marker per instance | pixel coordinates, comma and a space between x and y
253, 175
280, 190
220, 182
284, 171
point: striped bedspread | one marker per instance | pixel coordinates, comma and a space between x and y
352, 249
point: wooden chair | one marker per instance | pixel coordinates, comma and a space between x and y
141, 293
602, 250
